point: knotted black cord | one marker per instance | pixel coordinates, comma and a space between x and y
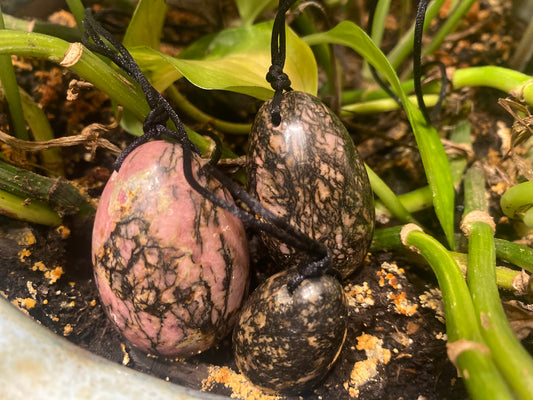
259, 218
417, 55
278, 79
373, 71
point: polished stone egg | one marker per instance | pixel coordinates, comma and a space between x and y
287, 342
307, 170
171, 268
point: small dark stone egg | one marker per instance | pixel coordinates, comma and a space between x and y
287, 342
308, 171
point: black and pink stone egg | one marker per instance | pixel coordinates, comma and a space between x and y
171, 268
287, 342
308, 171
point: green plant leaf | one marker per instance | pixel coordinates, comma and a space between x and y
249, 10
146, 24
235, 60
434, 158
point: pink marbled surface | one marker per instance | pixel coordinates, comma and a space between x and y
171, 268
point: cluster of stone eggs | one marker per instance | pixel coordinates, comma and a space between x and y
172, 269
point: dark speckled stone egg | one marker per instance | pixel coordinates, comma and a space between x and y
171, 268
308, 171
288, 342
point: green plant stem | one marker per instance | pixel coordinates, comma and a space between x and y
40, 127
194, 112
31, 211
517, 200
358, 95
387, 196
378, 29
11, 90
389, 239
405, 45
416, 200
513, 82
59, 31
378, 25
514, 253
383, 105
512, 359
91, 68
474, 189
527, 218
506, 278
386, 239
52, 160
475, 365
78, 11
62, 197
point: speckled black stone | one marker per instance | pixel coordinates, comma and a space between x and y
287, 343
308, 171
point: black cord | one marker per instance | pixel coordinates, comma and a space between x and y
443, 88
161, 109
417, 56
278, 79
154, 127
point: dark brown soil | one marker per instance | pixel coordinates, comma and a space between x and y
395, 345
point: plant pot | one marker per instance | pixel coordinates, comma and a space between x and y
38, 364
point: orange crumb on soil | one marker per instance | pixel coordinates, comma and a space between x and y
359, 295
366, 342
432, 299
126, 358
240, 386
23, 254
67, 330
54, 274
26, 239
64, 18
27, 303
403, 305
63, 231
366, 370
500, 188
39, 265
93, 303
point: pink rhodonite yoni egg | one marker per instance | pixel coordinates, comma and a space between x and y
171, 268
